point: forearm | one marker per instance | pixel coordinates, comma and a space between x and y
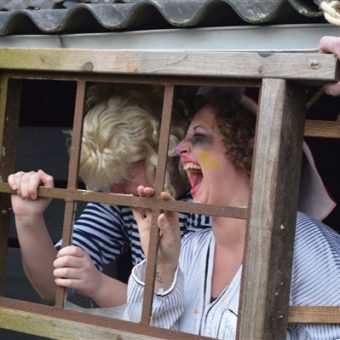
109, 292
38, 254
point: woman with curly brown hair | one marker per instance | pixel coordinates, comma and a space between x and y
216, 153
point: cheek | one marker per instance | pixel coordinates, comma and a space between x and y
208, 161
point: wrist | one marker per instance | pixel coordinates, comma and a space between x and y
165, 275
29, 220
109, 292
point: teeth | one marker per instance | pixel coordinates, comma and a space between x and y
191, 166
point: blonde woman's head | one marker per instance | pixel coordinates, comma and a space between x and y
120, 137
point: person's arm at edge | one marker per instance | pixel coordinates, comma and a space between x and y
37, 249
329, 44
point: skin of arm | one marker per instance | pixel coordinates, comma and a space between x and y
45, 268
37, 249
169, 244
330, 44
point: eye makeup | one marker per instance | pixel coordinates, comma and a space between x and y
199, 138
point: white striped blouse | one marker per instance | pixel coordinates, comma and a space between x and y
187, 305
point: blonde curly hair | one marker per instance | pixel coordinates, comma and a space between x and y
121, 130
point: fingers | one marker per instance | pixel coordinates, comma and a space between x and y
73, 268
325, 44
150, 192
329, 44
165, 196
27, 183
145, 191
332, 89
71, 251
46, 179
141, 214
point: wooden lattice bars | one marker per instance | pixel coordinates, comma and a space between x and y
275, 184
264, 310
72, 175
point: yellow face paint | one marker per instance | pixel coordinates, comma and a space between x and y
208, 161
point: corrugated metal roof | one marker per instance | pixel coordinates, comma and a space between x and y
86, 16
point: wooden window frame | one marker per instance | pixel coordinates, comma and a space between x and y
265, 285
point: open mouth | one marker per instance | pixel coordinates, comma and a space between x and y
195, 176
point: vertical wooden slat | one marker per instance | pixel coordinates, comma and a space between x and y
273, 205
159, 185
72, 174
10, 94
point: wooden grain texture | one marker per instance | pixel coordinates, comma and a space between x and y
133, 201
58, 328
312, 66
314, 314
159, 187
59, 323
272, 212
322, 128
72, 175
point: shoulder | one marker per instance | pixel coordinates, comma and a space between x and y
316, 263
313, 239
315, 233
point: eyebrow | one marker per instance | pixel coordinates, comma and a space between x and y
199, 126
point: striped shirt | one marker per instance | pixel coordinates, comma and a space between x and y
187, 305
105, 232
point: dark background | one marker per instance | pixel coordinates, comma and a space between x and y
47, 109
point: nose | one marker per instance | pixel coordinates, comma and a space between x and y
182, 147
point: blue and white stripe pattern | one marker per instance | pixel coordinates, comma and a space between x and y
315, 282
105, 232
315, 276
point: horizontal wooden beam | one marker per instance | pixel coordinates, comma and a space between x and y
58, 328
60, 323
300, 66
322, 128
133, 201
314, 314
64, 324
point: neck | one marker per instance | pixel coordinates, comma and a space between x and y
229, 233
